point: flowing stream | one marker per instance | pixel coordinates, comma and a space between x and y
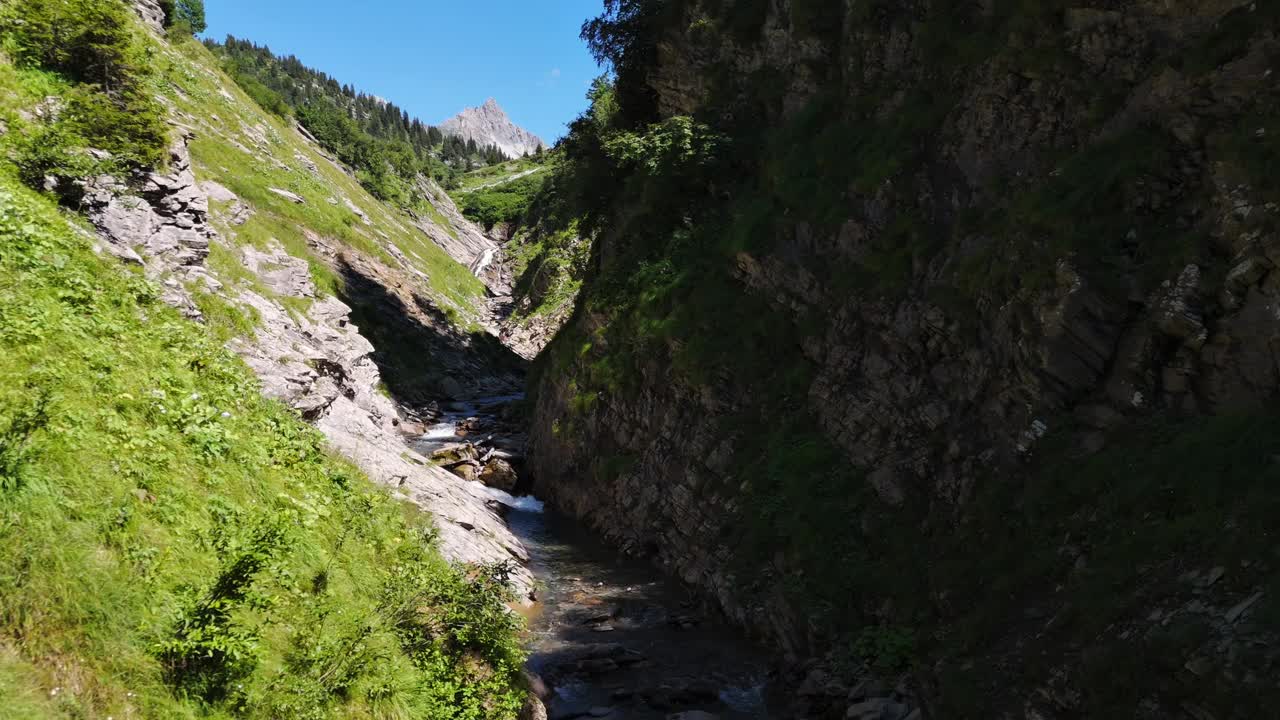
609, 636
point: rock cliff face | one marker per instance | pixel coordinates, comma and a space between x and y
317, 362
304, 345
1012, 262
152, 14
489, 125
465, 241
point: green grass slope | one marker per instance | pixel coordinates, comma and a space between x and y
172, 545
250, 150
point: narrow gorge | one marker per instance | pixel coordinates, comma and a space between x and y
855, 360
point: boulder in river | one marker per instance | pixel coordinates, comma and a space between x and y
455, 453
533, 709
499, 474
466, 471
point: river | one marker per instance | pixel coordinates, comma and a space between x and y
610, 636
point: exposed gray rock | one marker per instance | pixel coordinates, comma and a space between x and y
489, 125
877, 709
281, 273
1238, 611
462, 239
287, 195
533, 709
321, 365
164, 223
151, 13
364, 217
456, 453
498, 473
307, 162
317, 362
217, 192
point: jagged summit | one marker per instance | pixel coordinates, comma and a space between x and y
490, 125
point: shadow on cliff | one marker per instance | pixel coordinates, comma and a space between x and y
422, 355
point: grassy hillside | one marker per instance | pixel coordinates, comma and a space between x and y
495, 175
501, 193
172, 545
249, 151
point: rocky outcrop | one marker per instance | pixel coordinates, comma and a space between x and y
462, 239
1068, 249
164, 220
152, 14
315, 360
489, 125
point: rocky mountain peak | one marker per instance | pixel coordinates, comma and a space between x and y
489, 124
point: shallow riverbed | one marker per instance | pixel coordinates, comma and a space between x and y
608, 635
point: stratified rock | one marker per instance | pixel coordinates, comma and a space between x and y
462, 239
455, 453
877, 709
315, 361
217, 193
280, 272
151, 13
165, 224
533, 708
467, 471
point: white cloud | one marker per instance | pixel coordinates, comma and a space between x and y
550, 78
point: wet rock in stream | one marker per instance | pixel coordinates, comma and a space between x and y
663, 657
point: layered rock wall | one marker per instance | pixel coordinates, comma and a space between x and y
964, 306
315, 361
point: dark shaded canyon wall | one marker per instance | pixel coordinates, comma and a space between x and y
1014, 321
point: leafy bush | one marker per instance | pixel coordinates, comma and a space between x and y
886, 648
93, 44
51, 150
16, 439
506, 203
130, 125
190, 15
209, 652
88, 41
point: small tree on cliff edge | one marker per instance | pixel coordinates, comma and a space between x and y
185, 15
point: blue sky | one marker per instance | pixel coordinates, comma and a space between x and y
434, 58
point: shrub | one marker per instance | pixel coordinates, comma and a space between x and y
16, 438
92, 44
209, 652
887, 648
88, 41
129, 125
50, 151
190, 15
